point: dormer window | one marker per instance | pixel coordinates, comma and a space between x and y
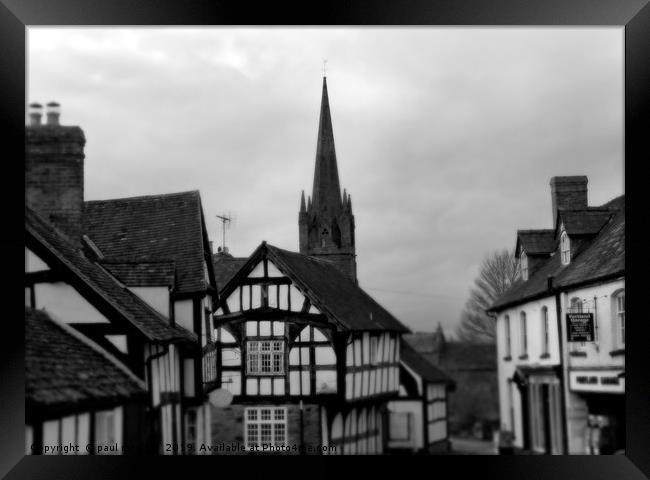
565, 248
523, 264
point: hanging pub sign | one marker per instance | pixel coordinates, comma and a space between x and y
580, 327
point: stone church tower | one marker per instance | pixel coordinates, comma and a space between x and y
325, 221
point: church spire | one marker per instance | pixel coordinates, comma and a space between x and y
326, 194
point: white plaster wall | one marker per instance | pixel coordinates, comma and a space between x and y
34, 263
415, 408
184, 314
156, 297
65, 304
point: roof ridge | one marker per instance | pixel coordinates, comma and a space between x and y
142, 197
91, 344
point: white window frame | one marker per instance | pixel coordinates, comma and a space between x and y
565, 248
259, 352
619, 318
523, 265
271, 419
400, 420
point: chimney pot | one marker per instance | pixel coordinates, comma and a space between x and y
35, 114
53, 113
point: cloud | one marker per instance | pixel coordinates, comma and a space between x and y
446, 137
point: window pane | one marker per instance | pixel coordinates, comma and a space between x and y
265, 414
279, 414
279, 434
265, 433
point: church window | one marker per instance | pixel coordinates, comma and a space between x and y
565, 248
523, 262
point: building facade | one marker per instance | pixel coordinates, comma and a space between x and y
105, 269
561, 329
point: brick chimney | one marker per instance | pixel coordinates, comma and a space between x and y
54, 170
568, 193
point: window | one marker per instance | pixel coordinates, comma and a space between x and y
400, 426
545, 327
190, 426
565, 248
523, 264
508, 340
105, 428
576, 305
619, 318
267, 425
524, 336
266, 357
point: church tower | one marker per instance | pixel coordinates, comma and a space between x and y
325, 221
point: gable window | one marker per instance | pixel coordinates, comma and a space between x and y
508, 339
619, 318
545, 332
523, 264
524, 334
565, 248
265, 357
265, 426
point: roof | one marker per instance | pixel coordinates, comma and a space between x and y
422, 366
329, 290
599, 257
335, 293
536, 242
454, 356
63, 367
584, 222
151, 228
225, 267
132, 308
140, 274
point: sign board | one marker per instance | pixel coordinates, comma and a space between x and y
580, 327
603, 381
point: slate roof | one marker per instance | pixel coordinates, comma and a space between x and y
335, 293
600, 256
141, 274
422, 366
62, 367
136, 311
225, 267
536, 242
151, 228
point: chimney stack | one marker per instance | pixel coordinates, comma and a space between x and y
35, 114
569, 193
54, 172
53, 113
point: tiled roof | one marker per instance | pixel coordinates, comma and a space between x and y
150, 228
422, 366
62, 367
136, 311
598, 257
225, 267
335, 293
536, 242
141, 274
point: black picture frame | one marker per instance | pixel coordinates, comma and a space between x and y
16, 15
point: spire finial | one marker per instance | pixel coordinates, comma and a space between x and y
324, 68
303, 207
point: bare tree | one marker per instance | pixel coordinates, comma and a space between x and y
497, 272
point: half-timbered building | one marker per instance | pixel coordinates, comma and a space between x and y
142, 291
418, 420
80, 400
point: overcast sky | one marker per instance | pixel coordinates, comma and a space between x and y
446, 138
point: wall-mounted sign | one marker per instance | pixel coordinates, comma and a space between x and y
580, 327
604, 381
